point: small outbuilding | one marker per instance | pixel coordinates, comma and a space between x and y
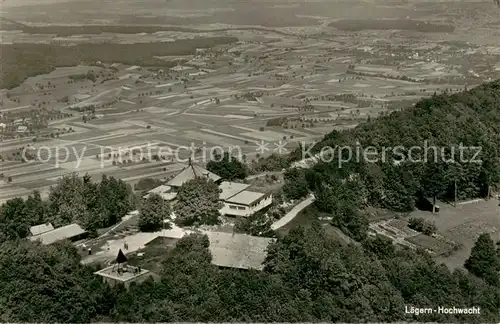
71, 232
40, 229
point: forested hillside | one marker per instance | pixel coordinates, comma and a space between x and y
308, 276
470, 119
73, 200
21, 61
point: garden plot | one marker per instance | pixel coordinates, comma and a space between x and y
461, 225
450, 217
471, 230
402, 225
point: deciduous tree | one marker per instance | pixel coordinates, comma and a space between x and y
153, 212
483, 261
198, 203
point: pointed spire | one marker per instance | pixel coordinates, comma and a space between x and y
121, 258
192, 167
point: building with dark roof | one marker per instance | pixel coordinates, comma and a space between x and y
189, 173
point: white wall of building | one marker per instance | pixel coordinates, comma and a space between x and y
245, 211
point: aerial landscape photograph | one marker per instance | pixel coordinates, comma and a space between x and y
284, 161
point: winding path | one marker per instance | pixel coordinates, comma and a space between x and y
292, 213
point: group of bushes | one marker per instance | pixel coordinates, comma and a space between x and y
422, 226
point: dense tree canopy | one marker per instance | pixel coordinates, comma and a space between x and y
152, 213
146, 184
73, 200
198, 203
483, 261
428, 150
48, 284
309, 275
21, 61
228, 167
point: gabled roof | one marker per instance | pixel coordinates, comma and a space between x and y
58, 234
42, 228
191, 172
239, 251
121, 258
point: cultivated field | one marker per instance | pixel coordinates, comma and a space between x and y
142, 88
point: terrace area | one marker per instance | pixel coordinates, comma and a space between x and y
123, 274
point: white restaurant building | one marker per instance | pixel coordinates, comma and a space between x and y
237, 199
